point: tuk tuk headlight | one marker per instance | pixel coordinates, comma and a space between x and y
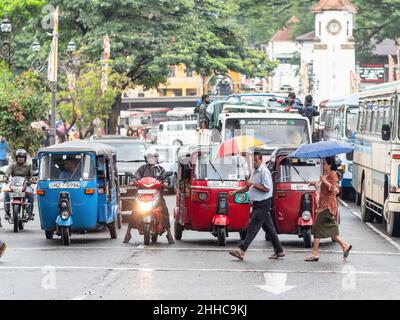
306, 215
64, 204
64, 215
203, 196
350, 167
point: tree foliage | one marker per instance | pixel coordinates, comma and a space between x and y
22, 101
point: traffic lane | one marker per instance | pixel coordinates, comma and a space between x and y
381, 227
101, 258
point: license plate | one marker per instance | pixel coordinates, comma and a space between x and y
300, 187
64, 185
17, 194
223, 184
123, 190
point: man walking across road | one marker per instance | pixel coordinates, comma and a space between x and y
260, 195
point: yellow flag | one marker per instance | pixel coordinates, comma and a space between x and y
52, 67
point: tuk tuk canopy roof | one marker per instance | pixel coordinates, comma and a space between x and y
99, 149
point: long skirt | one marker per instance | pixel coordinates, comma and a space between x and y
325, 225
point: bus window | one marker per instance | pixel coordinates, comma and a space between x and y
368, 121
160, 127
380, 120
364, 121
360, 117
351, 122
375, 114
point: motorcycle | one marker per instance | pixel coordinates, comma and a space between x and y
18, 189
148, 208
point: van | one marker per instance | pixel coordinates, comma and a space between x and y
177, 133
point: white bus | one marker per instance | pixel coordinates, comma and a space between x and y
341, 125
377, 156
181, 114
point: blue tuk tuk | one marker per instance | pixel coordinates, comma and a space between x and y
77, 188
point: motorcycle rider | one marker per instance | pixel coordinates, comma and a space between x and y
151, 169
19, 169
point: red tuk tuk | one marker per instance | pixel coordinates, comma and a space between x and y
202, 201
294, 204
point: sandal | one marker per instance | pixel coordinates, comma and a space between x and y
237, 254
170, 239
126, 240
311, 258
275, 256
346, 253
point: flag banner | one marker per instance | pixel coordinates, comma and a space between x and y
104, 64
391, 68
52, 68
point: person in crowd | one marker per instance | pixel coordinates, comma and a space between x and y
71, 170
201, 109
325, 224
260, 189
309, 110
291, 102
3, 151
130, 132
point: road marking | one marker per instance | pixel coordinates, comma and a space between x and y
211, 270
275, 283
142, 247
380, 233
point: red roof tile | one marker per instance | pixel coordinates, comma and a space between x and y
345, 5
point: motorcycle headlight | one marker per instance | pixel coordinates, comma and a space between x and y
64, 215
17, 189
145, 206
306, 215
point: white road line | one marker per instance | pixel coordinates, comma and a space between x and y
132, 269
384, 236
380, 233
226, 249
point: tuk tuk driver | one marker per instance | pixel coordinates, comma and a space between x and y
71, 170
19, 169
151, 169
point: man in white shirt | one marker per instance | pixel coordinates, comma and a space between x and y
260, 189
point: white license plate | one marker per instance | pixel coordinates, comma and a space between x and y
300, 187
17, 194
223, 184
123, 190
64, 185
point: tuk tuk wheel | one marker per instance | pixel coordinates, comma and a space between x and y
65, 239
178, 230
307, 241
221, 234
154, 238
112, 227
49, 234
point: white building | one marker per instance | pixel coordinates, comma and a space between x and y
327, 54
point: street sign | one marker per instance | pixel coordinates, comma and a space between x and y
374, 73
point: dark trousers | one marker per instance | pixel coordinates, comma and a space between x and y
261, 217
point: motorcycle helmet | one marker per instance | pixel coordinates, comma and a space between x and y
151, 153
21, 153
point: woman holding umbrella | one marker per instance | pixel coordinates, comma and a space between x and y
325, 225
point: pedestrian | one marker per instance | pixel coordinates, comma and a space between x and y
309, 110
3, 151
325, 225
3, 247
260, 189
291, 102
201, 109
129, 133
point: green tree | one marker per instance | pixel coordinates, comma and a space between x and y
22, 101
84, 104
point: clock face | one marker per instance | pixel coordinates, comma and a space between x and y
334, 27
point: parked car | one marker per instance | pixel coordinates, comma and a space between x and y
168, 160
130, 156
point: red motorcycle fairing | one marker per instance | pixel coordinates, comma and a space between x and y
15, 201
220, 220
148, 183
302, 223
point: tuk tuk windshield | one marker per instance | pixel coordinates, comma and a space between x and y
228, 168
299, 170
66, 167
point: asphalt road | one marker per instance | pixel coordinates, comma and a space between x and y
96, 267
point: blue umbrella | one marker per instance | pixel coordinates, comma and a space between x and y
321, 149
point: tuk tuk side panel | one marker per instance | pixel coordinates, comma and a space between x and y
84, 207
287, 205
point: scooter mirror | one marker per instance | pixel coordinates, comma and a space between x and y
168, 174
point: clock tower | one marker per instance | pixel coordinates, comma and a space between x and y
334, 48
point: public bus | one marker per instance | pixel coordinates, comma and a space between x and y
270, 100
376, 161
341, 125
181, 114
